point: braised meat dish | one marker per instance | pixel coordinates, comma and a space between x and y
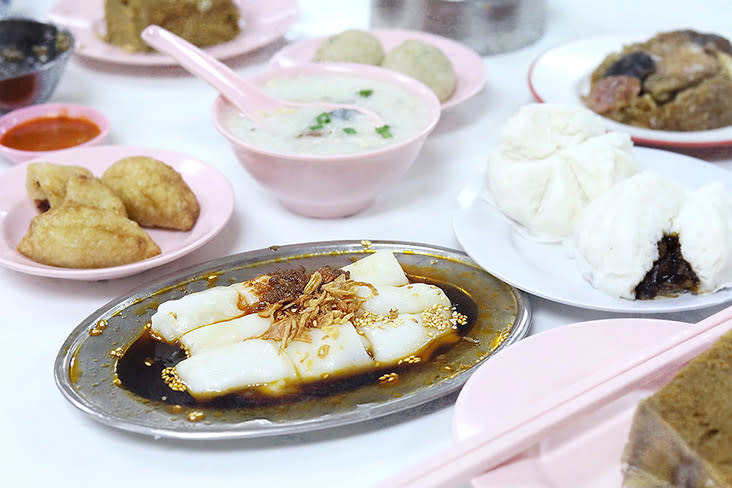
677, 81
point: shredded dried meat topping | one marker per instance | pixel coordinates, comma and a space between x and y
328, 297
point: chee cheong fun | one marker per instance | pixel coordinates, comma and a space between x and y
276, 332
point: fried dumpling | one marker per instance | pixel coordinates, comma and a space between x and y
90, 191
77, 236
154, 194
46, 183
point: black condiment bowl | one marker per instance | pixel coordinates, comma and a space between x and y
33, 56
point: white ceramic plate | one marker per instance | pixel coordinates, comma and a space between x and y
546, 270
598, 438
260, 22
468, 65
213, 191
562, 75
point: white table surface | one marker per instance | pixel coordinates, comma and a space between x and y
44, 440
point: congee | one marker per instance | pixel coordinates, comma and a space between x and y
316, 132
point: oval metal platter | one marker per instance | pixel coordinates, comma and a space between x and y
85, 365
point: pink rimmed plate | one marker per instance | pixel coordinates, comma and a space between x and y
468, 65
562, 75
213, 191
586, 452
260, 22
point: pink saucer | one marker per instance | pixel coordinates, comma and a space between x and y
261, 22
12, 119
586, 452
469, 66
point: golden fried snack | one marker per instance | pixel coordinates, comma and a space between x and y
46, 183
77, 236
154, 194
90, 191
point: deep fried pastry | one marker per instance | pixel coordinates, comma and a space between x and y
154, 194
77, 236
90, 191
46, 183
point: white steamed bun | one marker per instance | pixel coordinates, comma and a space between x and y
616, 239
551, 161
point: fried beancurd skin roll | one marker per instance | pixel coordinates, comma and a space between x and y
153, 193
46, 183
91, 192
77, 236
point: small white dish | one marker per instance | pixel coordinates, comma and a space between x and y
546, 270
562, 75
214, 193
260, 22
468, 65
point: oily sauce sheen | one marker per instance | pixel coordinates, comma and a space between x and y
50, 133
139, 369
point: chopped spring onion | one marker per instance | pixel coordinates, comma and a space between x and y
323, 118
383, 131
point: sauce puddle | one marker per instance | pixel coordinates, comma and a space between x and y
50, 133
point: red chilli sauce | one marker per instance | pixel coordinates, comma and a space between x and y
50, 133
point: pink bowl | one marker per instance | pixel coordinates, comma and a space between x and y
12, 119
331, 185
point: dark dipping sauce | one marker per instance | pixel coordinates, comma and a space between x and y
50, 133
140, 367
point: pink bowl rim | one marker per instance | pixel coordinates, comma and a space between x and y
18, 116
347, 69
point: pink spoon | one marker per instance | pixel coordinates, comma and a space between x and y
247, 97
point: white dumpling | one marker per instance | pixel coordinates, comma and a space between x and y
550, 162
248, 289
616, 240
392, 340
227, 332
330, 351
539, 130
411, 298
380, 268
254, 363
704, 226
176, 317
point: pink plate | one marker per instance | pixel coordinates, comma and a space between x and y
261, 23
214, 192
18, 116
562, 75
585, 453
468, 64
